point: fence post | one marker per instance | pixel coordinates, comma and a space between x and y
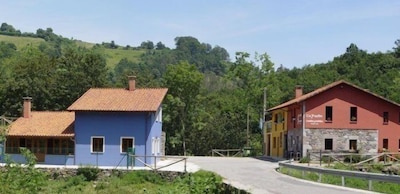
343, 183
185, 166
370, 184
320, 157
155, 163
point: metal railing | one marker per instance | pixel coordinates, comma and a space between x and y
343, 173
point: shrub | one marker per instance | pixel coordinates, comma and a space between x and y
326, 159
304, 160
352, 159
20, 179
142, 176
89, 173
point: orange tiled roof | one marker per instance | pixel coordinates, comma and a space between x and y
119, 99
325, 88
44, 124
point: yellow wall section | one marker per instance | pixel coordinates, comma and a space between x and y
279, 128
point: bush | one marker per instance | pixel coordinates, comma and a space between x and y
90, 173
352, 159
304, 160
326, 159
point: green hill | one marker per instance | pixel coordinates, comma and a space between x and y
20, 41
113, 56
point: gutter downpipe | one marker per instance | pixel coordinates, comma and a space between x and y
146, 135
303, 126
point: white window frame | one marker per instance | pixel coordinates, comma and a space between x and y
91, 143
155, 146
159, 115
126, 137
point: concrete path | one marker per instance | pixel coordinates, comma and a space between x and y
260, 177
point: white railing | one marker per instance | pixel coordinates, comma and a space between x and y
343, 173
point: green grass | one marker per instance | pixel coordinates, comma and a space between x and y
21, 42
141, 182
113, 56
356, 183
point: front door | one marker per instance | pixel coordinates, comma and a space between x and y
38, 148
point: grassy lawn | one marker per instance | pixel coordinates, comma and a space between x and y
349, 182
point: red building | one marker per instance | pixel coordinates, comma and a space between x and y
340, 116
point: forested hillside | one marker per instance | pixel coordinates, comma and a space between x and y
211, 94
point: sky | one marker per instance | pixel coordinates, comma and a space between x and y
293, 33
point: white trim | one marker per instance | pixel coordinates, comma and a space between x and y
153, 142
126, 137
159, 114
91, 143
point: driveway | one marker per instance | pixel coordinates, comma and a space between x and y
260, 177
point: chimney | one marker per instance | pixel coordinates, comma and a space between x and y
132, 83
298, 91
27, 107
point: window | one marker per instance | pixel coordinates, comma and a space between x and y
385, 117
155, 149
274, 142
60, 146
126, 142
328, 113
353, 144
97, 144
159, 115
353, 113
385, 144
399, 144
280, 140
328, 144
399, 116
12, 146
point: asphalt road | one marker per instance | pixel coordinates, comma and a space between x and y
260, 177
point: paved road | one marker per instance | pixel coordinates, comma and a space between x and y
260, 177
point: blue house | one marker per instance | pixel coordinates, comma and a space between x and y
107, 122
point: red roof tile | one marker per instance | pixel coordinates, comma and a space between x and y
119, 99
44, 124
325, 88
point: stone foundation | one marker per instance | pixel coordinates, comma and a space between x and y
367, 139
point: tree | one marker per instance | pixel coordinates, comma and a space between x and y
183, 81
147, 45
160, 46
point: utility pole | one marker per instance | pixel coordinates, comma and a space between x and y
265, 140
248, 126
264, 107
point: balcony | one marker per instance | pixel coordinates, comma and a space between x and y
268, 126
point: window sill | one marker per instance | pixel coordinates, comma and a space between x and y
97, 152
353, 122
386, 123
328, 121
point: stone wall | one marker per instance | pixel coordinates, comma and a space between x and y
64, 173
367, 139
